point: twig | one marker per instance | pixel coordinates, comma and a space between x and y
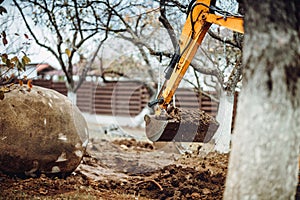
227, 41
201, 92
153, 181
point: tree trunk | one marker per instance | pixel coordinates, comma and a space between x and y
265, 145
72, 96
223, 135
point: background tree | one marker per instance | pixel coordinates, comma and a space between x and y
138, 23
68, 26
75, 24
264, 158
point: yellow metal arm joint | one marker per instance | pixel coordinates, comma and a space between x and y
231, 22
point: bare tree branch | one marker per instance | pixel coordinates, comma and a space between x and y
227, 41
89, 66
78, 18
201, 92
163, 19
81, 33
209, 71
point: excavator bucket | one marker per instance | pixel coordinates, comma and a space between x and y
181, 125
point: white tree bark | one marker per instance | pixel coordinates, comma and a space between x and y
72, 96
223, 135
265, 145
264, 159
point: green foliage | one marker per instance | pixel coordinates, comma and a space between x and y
8, 63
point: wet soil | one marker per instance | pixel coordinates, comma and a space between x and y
182, 125
127, 169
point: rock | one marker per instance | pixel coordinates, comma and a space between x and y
41, 131
195, 195
206, 191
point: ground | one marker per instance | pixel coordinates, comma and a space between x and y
124, 168
128, 169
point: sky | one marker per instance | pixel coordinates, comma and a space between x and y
36, 53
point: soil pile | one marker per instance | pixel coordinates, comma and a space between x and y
140, 172
181, 125
186, 177
176, 177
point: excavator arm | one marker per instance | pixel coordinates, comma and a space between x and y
195, 28
198, 22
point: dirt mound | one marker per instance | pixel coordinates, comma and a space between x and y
190, 178
171, 182
132, 143
179, 182
12, 187
186, 177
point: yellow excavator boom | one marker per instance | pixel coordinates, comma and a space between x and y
198, 22
195, 28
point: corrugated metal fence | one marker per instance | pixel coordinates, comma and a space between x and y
126, 97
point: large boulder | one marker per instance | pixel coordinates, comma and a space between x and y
41, 131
